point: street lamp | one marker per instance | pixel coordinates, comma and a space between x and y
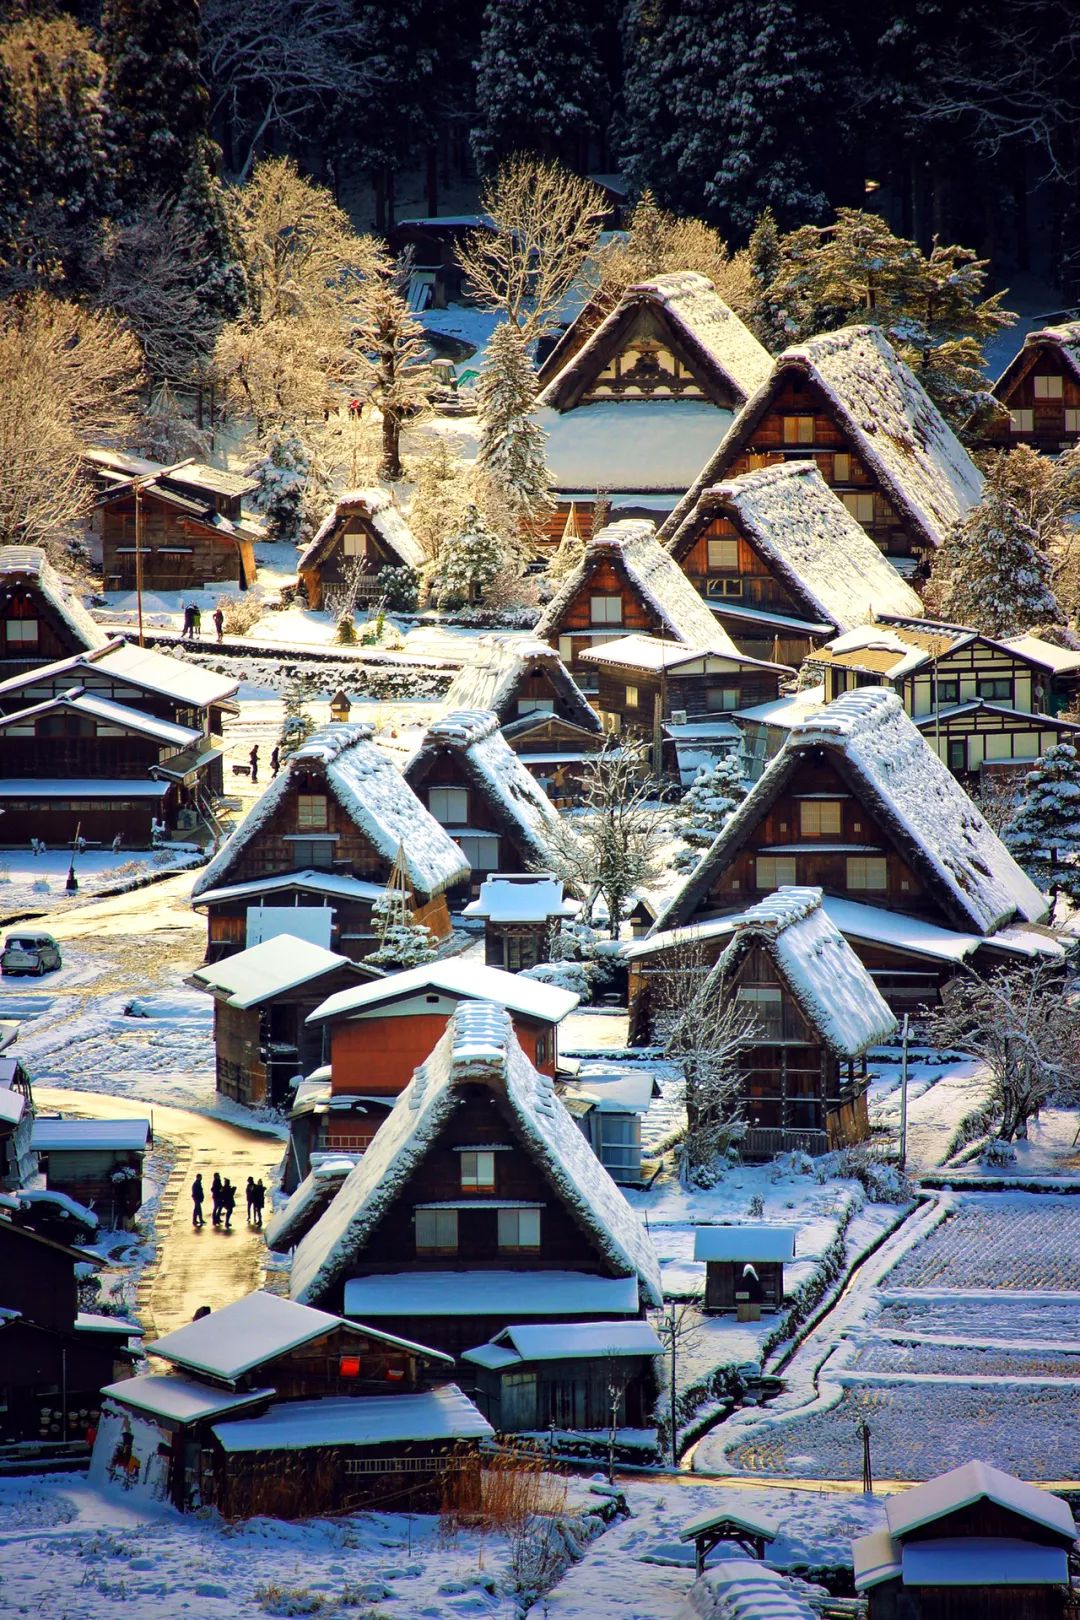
340, 707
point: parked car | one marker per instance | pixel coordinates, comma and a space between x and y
30, 953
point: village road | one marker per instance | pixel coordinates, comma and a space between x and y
193, 1267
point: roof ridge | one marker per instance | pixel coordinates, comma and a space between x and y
330, 741
776, 912
462, 728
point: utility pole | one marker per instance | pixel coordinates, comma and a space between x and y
904, 1037
137, 486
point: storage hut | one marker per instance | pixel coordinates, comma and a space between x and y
609, 1105
189, 525
573, 1375
41, 618
741, 1527
359, 539
1040, 392
95, 1161
520, 911
744, 1267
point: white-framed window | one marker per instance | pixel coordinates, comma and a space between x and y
841, 467
868, 872
772, 871
22, 630
519, 1229
1048, 388
721, 699
535, 706
436, 1231
723, 554
860, 504
477, 1169
798, 430
450, 805
481, 850
1072, 419
632, 697
820, 817
605, 609
566, 648
1022, 421
311, 812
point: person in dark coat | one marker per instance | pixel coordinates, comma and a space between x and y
250, 1198
219, 625
215, 1199
228, 1203
275, 760
189, 621
197, 1201
259, 1195
254, 758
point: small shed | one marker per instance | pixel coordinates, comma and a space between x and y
744, 1266
609, 1105
753, 1532
363, 535
519, 912
95, 1161
576, 1375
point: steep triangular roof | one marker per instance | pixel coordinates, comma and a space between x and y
478, 1048
834, 992
1063, 340
809, 539
725, 354
891, 768
373, 794
893, 425
496, 668
376, 507
632, 546
29, 568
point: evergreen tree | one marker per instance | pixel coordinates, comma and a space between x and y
763, 251
296, 723
201, 208
511, 448
468, 563
1044, 831
539, 87
991, 573
283, 474
707, 807
157, 98
398, 48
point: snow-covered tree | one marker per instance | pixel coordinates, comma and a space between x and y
296, 723
1044, 829
766, 316
441, 497
990, 572
283, 472
539, 87
511, 448
706, 808
395, 362
164, 433
201, 209
468, 563
657, 242
157, 98
403, 943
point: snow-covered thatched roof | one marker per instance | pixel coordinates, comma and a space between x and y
490, 768
378, 510
631, 547
723, 351
497, 667
834, 992
479, 1048
27, 568
809, 540
375, 797
892, 770
1062, 340
894, 428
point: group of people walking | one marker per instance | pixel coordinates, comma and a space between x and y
192, 630
223, 1201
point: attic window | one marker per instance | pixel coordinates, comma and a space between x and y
449, 805
437, 1231
519, 1229
311, 811
723, 554
861, 506
1048, 388
477, 1170
1022, 421
798, 430
841, 469
606, 609
1072, 421
22, 630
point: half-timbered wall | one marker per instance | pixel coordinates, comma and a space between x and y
646, 364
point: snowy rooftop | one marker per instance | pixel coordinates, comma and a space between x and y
485, 1293
646, 445
376, 507
109, 713
561, 1341
651, 654
152, 671
376, 798
650, 570
809, 539
758, 1524
497, 665
479, 1047
613, 1091
746, 1243
1061, 660
358, 1420
977, 1482
183, 1400
90, 1135
266, 970
28, 566
1065, 337
308, 1202
12, 1106
454, 977
522, 897
328, 883
95, 1322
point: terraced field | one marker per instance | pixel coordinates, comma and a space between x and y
999, 1240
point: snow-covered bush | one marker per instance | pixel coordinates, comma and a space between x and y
707, 807
283, 473
563, 975
998, 1155
288, 1600
241, 613
882, 1183
345, 634
400, 588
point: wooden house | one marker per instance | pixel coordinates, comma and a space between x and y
189, 525
973, 1544
478, 790
362, 535
271, 1408
625, 584
783, 563
479, 1204
845, 400
318, 849
518, 678
520, 912
41, 618
563, 1374
643, 396
1040, 392
262, 998
158, 684
609, 1105
981, 704
856, 803
556, 753
17, 1161
98, 1162
54, 1358
744, 1266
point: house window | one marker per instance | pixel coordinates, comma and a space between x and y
480, 850
566, 648
1022, 421
535, 706
311, 812
605, 609
721, 699
861, 506
519, 1229
819, 817
1048, 388
798, 430
541, 1048
450, 805
723, 554
632, 696
766, 1004
354, 545
868, 872
477, 1170
23, 631
312, 852
771, 871
948, 692
1072, 420
995, 688
436, 1231
957, 754
520, 951
841, 469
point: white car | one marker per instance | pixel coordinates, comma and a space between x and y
30, 953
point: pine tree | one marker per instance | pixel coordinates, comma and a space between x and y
1044, 831
511, 449
296, 723
707, 807
468, 563
283, 473
763, 250
539, 87
158, 101
991, 573
201, 207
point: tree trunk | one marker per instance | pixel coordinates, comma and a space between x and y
391, 468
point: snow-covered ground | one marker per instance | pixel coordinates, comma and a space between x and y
36, 884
